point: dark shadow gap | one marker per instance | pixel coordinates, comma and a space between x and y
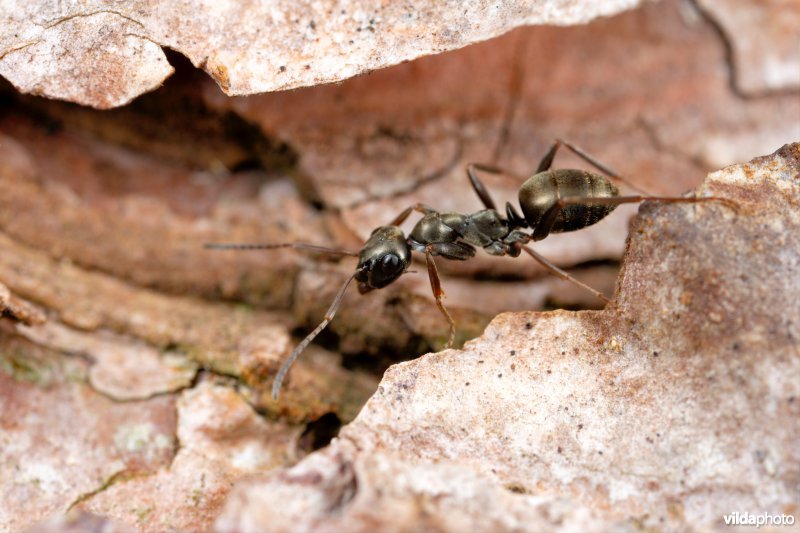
174, 123
319, 433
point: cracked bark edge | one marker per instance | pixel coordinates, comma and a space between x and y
422, 416
724, 39
19, 310
232, 66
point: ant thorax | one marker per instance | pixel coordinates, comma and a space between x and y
456, 236
478, 229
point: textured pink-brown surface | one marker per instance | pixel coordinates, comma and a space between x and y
647, 92
103, 217
61, 441
220, 439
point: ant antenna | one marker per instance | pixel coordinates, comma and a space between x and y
276, 386
295, 245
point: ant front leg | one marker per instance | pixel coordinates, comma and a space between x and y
436, 286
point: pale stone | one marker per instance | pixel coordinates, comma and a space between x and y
104, 54
61, 441
220, 439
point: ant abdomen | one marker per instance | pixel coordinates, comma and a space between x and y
542, 191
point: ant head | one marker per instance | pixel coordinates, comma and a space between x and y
383, 259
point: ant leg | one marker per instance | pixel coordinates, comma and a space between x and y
617, 200
480, 189
420, 208
560, 273
455, 251
295, 245
478, 186
436, 286
549, 218
547, 162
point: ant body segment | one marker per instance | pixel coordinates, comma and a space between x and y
552, 201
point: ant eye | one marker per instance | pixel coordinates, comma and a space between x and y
389, 264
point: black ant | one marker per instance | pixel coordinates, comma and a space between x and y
552, 201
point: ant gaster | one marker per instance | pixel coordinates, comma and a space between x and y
552, 201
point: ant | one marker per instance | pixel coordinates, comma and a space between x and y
552, 201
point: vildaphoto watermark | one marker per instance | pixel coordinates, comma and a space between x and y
758, 520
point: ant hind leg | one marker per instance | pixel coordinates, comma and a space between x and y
561, 273
617, 200
548, 219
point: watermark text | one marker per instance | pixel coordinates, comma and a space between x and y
758, 520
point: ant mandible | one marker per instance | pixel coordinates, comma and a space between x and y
552, 201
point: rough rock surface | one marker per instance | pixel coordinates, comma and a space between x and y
77, 521
219, 440
104, 53
669, 409
60, 441
122, 369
